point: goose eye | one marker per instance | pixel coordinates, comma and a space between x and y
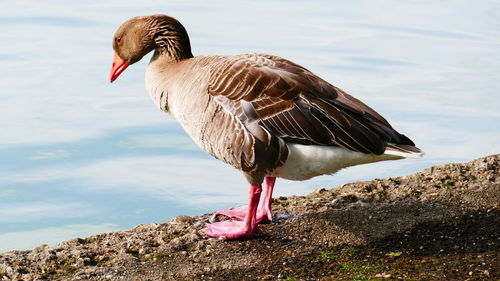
118, 40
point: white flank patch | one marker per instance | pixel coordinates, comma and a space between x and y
307, 161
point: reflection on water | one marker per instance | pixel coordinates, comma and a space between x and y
79, 156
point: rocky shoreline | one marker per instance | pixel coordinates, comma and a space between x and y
438, 224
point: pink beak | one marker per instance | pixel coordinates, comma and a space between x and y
118, 66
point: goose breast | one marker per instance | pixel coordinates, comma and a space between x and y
182, 91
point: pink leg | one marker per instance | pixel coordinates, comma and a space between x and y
264, 213
265, 204
233, 229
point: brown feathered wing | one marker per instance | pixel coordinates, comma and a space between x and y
274, 97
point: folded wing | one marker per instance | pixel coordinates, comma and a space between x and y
275, 97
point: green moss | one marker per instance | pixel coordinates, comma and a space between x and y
328, 255
472, 259
345, 254
61, 270
448, 185
179, 233
349, 252
346, 266
71, 261
394, 254
301, 272
94, 239
153, 257
360, 277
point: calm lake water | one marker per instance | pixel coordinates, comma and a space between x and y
80, 156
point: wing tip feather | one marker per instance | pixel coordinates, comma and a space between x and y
404, 151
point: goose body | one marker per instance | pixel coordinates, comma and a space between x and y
264, 115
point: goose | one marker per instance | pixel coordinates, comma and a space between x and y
262, 114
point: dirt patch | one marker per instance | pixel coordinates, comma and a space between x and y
439, 224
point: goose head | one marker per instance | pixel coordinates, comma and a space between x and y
138, 36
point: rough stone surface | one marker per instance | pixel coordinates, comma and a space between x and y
439, 224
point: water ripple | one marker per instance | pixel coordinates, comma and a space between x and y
419, 31
49, 20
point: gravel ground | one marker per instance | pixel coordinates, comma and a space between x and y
439, 224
